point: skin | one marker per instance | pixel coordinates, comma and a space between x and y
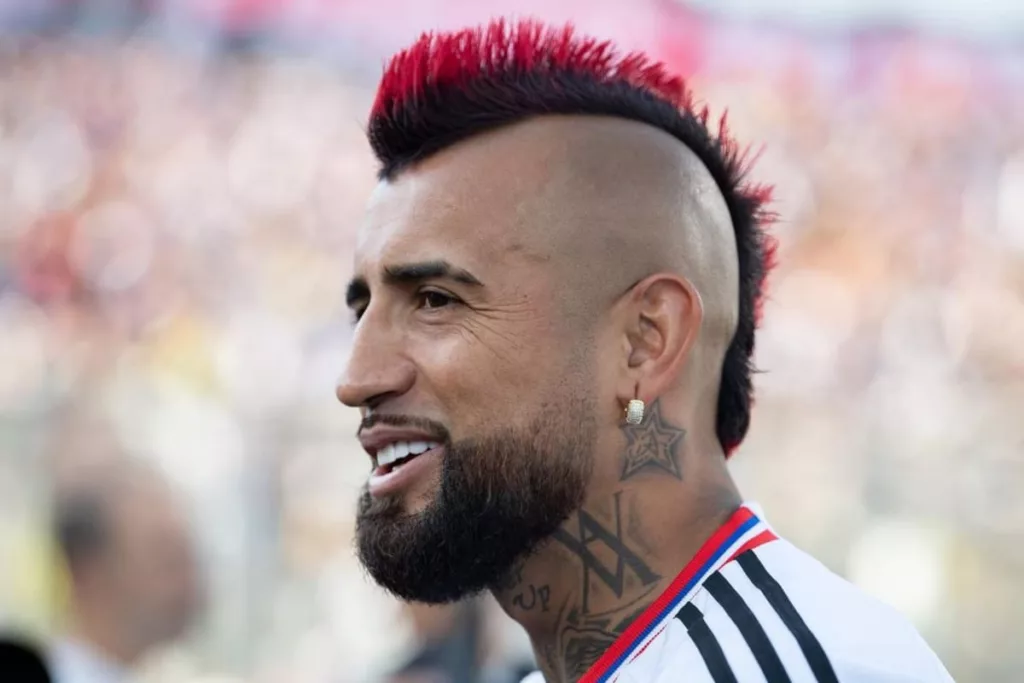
142, 589
578, 232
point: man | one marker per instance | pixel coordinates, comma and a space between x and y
132, 570
555, 294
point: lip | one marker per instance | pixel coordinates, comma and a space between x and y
412, 470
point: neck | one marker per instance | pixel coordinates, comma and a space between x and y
616, 555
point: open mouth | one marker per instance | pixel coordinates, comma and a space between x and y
392, 457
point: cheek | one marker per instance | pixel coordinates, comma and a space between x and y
487, 376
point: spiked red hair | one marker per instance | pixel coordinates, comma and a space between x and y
451, 86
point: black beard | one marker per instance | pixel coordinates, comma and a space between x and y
498, 499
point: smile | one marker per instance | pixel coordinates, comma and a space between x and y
393, 456
402, 464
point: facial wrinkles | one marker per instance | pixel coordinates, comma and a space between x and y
490, 333
511, 325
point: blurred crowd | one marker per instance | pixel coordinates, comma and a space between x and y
176, 229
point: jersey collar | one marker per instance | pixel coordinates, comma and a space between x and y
743, 530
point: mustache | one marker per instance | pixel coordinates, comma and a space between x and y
435, 429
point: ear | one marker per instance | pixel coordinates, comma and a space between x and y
664, 315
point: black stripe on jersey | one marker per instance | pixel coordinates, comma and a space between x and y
752, 631
706, 644
777, 598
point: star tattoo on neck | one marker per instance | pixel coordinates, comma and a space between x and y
653, 443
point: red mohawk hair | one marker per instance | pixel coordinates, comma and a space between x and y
447, 87
455, 60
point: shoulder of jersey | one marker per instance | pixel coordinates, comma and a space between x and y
777, 614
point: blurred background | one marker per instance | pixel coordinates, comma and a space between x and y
180, 182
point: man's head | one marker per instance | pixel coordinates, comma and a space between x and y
555, 232
129, 554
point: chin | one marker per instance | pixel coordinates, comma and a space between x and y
409, 554
495, 501
417, 504
437, 558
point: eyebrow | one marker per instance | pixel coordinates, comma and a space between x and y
411, 273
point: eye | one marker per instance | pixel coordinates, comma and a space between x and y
431, 298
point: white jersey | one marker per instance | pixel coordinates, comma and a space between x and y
73, 661
751, 607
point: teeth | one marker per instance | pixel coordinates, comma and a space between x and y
386, 455
398, 450
417, 447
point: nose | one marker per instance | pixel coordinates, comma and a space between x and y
377, 367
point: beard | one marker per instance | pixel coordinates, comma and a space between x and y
498, 499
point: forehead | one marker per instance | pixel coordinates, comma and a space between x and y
478, 202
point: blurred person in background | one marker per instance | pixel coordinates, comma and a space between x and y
448, 649
453, 647
555, 294
133, 574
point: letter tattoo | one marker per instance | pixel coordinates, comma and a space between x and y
532, 596
529, 597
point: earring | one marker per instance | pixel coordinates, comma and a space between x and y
635, 411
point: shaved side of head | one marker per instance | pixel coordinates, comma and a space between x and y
635, 201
